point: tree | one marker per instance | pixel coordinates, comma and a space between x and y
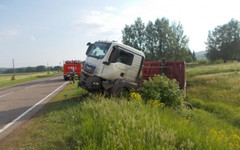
150, 41
180, 45
194, 58
163, 35
224, 42
128, 36
57, 68
31, 69
157, 40
41, 68
139, 32
134, 35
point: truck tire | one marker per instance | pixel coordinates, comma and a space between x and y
122, 87
121, 91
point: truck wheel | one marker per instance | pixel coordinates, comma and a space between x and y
121, 91
107, 93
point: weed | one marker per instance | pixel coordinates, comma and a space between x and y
164, 90
236, 121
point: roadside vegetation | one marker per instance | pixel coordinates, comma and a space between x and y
215, 89
76, 119
8, 80
36, 69
205, 68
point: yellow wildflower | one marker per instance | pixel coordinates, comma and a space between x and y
155, 103
135, 97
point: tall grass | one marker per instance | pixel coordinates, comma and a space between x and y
76, 121
216, 93
213, 69
73, 122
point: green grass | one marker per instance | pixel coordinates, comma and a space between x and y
75, 121
217, 93
213, 69
5, 79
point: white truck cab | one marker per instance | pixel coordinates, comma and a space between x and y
111, 65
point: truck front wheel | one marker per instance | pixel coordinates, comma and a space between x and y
121, 91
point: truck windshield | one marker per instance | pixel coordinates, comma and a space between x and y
98, 50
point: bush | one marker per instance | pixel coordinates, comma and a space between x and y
13, 78
202, 62
197, 103
219, 61
164, 90
221, 110
236, 121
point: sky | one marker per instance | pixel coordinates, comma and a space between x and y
48, 32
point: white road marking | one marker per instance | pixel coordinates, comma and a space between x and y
19, 117
33, 85
54, 78
40, 83
30, 86
7, 94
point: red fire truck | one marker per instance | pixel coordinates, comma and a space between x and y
72, 66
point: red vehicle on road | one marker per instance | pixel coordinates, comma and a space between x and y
72, 66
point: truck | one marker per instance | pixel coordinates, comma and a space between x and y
115, 67
70, 66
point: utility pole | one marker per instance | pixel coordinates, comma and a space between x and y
60, 64
13, 77
47, 69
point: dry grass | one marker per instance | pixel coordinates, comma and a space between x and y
5, 79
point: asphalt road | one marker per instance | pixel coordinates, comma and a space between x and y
20, 102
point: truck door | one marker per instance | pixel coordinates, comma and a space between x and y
128, 69
123, 65
132, 70
115, 69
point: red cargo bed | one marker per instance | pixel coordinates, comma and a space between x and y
173, 70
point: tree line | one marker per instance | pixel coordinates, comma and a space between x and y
224, 42
159, 40
162, 39
40, 68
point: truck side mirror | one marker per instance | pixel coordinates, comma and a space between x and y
90, 46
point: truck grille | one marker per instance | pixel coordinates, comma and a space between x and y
90, 68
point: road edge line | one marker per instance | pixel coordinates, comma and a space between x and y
6, 94
23, 114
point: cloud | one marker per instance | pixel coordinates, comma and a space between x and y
40, 27
110, 8
197, 18
11, 32
1, 6
99, 23
33, 38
